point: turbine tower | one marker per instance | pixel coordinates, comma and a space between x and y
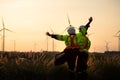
107, 45
118, 39
47, 44
14, 45
53, 43
3, 36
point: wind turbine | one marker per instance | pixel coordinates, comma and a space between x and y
14, 45
47, 46
35, 47
89, 34
3, 36
52, 41
107, 45
47, 43
69, 24
118, 39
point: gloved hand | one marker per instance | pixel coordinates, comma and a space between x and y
90, 19
48, 34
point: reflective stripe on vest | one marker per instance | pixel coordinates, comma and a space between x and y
72, 44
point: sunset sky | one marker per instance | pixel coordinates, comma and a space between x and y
31, 19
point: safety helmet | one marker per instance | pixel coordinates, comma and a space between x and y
71, 30
82, 26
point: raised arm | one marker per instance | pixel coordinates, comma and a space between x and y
88, 24
51, 35
58, 37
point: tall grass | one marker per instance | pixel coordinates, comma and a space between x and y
40, 66
104, 67
24, 66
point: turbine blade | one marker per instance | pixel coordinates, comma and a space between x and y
68, 20
65, 29
8, 30
116, 36
118, 32
76, 28
1, 29
3, 22
52, 30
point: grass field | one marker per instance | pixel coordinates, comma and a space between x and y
40, 66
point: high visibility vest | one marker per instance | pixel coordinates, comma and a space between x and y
80, 39
86, 44
83, 40
70, 40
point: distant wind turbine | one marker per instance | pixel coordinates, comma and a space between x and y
47, 46
52, 41
14, 45
3, 36
107, 45
47, 43
89, 34
35, 46
118, 39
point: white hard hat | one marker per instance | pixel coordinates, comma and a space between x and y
82, 26
71, 30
